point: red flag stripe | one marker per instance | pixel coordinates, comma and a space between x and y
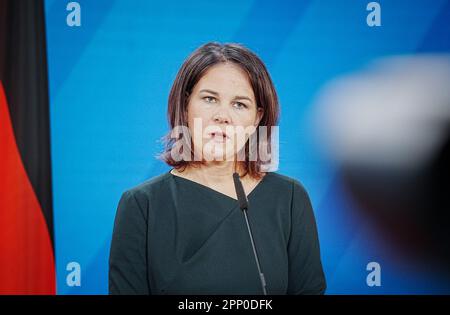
26, 255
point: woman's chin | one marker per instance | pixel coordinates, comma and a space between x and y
220, 156
219, 153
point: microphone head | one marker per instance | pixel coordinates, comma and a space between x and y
240, 193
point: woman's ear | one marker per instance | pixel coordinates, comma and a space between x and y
259, 115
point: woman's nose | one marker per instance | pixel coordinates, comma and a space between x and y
221, 117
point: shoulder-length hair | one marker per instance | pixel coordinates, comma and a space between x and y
192, 70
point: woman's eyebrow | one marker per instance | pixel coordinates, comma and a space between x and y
209, 91
243, 98
217, 94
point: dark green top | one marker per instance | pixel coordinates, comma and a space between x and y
175, 236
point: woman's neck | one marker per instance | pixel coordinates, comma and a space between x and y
214, 171
218, 177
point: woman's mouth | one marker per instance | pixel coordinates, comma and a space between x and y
218, 136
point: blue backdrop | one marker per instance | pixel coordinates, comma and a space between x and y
109, 82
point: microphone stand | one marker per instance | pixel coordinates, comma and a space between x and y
243, 204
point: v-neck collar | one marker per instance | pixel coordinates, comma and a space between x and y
216, 191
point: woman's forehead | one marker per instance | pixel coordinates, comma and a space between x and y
226, 78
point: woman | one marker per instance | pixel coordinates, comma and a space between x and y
183, 232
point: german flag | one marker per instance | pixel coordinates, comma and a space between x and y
27, 263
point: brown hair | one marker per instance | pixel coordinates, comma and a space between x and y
194, 67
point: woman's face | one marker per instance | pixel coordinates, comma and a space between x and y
222, 113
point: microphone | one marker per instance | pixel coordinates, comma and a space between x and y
243, 204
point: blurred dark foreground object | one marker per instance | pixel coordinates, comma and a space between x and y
388, 130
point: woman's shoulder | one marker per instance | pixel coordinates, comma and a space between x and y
285, 182
292, 190
155, 183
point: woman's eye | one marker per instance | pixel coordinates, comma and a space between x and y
240, 105
209, 99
